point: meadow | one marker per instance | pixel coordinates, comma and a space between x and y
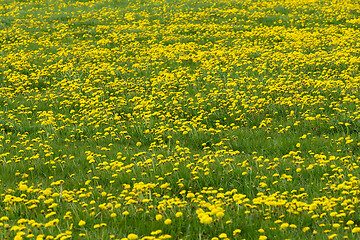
162, 119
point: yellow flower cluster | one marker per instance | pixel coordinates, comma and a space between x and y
219, 119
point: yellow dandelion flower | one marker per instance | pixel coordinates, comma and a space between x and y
132, 236
81, 223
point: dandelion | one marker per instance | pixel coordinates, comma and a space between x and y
236, 231
220, 214
332, 236
132, 236
167, 221
283, 226
23, 187
223, 235
190, 195
81, 223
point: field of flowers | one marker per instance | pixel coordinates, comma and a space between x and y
160, 119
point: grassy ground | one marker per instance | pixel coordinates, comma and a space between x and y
188, 119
